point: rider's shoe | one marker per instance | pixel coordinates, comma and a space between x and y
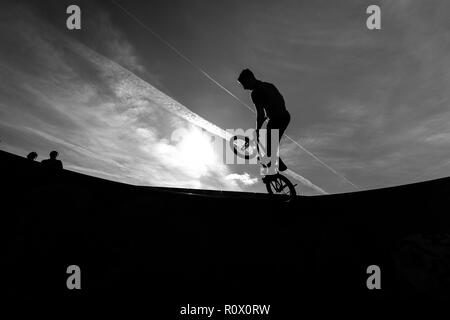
282, 166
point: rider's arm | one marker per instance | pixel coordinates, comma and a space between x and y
260, 114
260, 117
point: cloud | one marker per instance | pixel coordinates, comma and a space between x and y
101, 117
373, 105
242, 178
116, 47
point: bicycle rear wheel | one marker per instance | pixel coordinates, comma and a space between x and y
281, 185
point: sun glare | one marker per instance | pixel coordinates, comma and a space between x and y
197, 151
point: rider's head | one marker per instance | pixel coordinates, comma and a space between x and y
247, 79
53, 154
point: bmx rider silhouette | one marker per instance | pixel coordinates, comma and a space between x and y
270, 105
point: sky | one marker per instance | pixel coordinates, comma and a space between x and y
118, 103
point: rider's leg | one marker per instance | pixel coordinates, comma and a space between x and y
281, 125
282, 166
272, 125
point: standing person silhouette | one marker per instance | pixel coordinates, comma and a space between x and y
52, 164
32, 156
269, 104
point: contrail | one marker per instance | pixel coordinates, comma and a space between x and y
133, 87
304, 181
181, 55
321, 162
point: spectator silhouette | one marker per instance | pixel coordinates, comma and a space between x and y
52, 164
32, 156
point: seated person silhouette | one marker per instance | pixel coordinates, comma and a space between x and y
52, 164
269, 104
32, 156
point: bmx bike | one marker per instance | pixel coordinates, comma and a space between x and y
276, 184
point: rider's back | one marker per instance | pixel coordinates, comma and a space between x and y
267, 95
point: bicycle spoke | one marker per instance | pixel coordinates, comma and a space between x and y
279, 185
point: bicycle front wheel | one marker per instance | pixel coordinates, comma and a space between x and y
238, 144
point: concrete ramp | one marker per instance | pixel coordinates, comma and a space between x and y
171, 246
